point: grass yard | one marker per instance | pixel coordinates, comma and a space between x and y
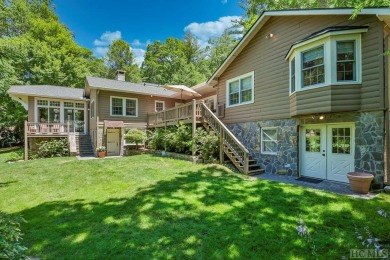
148, 207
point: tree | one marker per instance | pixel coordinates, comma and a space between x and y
174, 62
120, 57
35, 48
219, 49
253, 8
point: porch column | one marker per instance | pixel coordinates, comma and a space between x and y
25, 141
193, 125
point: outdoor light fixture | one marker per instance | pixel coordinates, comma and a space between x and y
270, 35
322, 117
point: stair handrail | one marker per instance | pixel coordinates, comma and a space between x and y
225, 131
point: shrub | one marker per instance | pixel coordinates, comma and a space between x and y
136, 136
156, 139
53, 148
10, 136
179, 139
207, 144
173, 139
10, 237
15, 156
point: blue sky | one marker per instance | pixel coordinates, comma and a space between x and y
97, 23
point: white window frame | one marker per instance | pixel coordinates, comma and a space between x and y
124, 106
262, 140
62, 108
155, 105
329, 41
252, 74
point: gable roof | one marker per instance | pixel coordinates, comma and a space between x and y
123, 86
382, 13
48, 91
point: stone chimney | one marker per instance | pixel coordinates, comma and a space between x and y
120, 75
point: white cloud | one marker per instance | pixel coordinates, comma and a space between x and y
138, 55
101, 44
136, 43
212, 29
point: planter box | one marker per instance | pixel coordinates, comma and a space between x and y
360, 182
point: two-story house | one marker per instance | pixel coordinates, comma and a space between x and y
307, 91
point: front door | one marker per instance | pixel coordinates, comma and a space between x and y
313, 155
113, 142
327, 151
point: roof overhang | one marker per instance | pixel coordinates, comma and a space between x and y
383, 14
131, 92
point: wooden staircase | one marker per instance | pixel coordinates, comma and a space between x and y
230, 145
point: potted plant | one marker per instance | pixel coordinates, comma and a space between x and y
101, 151
360, 181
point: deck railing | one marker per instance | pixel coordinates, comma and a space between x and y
47, 128
175, 114
227, 138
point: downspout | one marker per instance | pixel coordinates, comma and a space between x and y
387, 111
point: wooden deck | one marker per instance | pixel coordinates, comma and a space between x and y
187, 113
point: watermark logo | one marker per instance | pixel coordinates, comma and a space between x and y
368, 253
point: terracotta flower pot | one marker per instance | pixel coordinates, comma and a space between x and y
101, 154
360, 181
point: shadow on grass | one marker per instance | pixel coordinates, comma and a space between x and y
206, 214
6, 184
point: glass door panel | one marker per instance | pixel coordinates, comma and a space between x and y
79, 120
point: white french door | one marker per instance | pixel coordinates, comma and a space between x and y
327, 151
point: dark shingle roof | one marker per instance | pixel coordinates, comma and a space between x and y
331, 29
48, 91
324, 31
117, 85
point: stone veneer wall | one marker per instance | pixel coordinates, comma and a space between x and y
285, 161
369, 141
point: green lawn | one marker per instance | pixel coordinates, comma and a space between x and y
148, 207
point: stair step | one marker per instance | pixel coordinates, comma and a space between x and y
255, 172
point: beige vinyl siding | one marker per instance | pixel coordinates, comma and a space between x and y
31, 109
146, 104
266, 58
325, 100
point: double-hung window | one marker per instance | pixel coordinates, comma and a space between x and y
332, 58
159, 106
346, 62
313, 68
240, 90
124, 107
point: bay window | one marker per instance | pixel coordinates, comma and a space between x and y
330, 58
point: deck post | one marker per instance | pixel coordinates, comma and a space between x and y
193, 125
25, 141
221, 151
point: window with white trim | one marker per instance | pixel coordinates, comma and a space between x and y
333, 58
346, 62
124, 106
240, 90
159, 105
49, 111
313, 67
269, 143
